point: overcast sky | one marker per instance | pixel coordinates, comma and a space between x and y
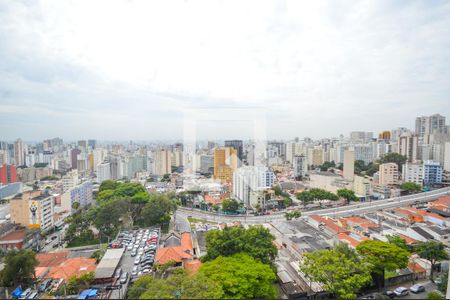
129, 69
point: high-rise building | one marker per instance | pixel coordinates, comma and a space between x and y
103, 171
446, 158
349, 164
250, 179
430, 124
364, 153
82, 194
385, 135
74, 157
388, 174
225, 163
413, 172
315, 156
33, 210
361, 136
82, 145
8, 174
300, 166
19, 153
206, 164
70, 180
238, 145
408, 146
432, 173
162, 162
92, 144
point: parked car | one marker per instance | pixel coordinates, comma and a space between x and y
43, 286
390, 294
25, 293
137, 260
33, 295
417, 288
124, 278
401, 291
133, 252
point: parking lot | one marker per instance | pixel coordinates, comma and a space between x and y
138, 258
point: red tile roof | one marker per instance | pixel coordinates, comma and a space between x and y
15, 236
51, 259
192, 266
176, 254
73, 267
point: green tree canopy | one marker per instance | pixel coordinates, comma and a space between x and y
435, 295
177, 285
433, 251
316, 194
108, 185
76, 284
411, 187
383, 256
292, 215
341, 270
241, 277
230, 205
347, 194
398, 241
255, 241
158, 209
19, 267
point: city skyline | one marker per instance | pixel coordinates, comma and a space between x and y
369, 66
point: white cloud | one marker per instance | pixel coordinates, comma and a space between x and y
321, 68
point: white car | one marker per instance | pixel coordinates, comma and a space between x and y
137, 260
130, 247
146, 270
401, 291
417, 288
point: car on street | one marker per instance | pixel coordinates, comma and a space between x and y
137, 260
401, 291
130, 247
417, 288
43, 286
133, 252
134, 271
390, 294
33, 295
124, 278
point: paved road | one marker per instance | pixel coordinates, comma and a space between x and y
58, 236
360, 208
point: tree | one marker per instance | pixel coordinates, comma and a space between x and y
108, 185
411, 187
383, 256
360, 166
76, 284
433, 251
292, 215
158, 209
316, 194
435, 295
241, 277
347, 194
393, 157
178, 285
341, 270
255, 241
19, 267
76, 205
230, 205
398, 241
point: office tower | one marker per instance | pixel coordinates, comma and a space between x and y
361, 136
430, 124
177, 158
19, 153
280, 147
82, 145
364, 153
349, 164
8, 174
206, 164
82, 194
225, 163
408, 146
70, 180
388, 174
92, 144
238, 145
74, 157
432, 173
397, 132
4, 157
300, 166
162, 162
103, 171
315, 156
447, 157
250, 179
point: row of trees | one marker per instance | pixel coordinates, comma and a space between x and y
344, 271
320, 194
237, 265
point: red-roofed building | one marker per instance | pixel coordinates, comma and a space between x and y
183, 255
52, 259
327, 224
352, 242
72, 267
13, 240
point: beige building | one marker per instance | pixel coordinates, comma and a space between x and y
388, 174
349, 165
33, 210
162, 162
225, 163
315, 156
362, 186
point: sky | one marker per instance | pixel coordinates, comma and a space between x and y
129, 70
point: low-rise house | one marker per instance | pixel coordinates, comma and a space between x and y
72, 267
439, 234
